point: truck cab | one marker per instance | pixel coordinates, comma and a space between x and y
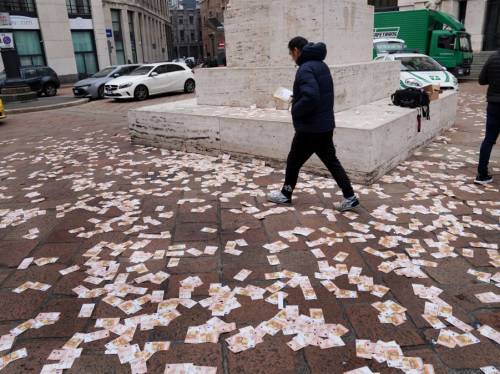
452, 49
436, 34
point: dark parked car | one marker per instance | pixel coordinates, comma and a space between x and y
41, 79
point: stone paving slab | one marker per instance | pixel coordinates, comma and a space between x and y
81, 185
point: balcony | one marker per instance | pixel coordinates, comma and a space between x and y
25, 8
79, 8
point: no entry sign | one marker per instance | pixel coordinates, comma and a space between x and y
6, 40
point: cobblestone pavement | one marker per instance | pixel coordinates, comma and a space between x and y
119, 246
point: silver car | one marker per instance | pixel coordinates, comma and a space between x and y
93, 86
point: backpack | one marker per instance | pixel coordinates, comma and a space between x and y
413, 98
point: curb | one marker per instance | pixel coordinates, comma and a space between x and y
46, 107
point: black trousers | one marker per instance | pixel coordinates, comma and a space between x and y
304, 145
492, 130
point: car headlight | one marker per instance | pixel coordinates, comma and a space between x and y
455, 81
125, 85
84, 86
412, 82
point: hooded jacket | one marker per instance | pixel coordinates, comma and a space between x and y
490, 75
313, 95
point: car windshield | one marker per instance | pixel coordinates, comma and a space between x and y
465, 44
104, 72
382, 47
420, 63
143, 70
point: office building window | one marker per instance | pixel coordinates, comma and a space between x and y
132, 36
180, 21
19, 7
79, 8
191, 20
29, 47
182, 35
118, 36
192, 36
85, 53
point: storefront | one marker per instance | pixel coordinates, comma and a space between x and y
85, 52
27, 38
82, 35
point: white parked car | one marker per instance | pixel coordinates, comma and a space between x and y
151, 79
418, 70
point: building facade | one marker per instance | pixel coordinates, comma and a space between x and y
67, 35
186, 27
137, 30
212, 26
481, 18
76, 38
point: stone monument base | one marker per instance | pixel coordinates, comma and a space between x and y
371, 139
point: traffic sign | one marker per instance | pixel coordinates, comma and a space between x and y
6, 40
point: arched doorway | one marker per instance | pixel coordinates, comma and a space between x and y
492, 26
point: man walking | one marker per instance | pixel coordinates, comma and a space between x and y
490, 76
314, 121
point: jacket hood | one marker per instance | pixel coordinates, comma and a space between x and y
312, 52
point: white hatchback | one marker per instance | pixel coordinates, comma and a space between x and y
418, 70
151, 79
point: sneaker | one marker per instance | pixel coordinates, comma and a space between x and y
277, 197
347, 204
482, 180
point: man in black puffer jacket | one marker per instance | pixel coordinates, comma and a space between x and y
314, 121
490, 75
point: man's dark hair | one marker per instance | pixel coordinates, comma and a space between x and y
298, 42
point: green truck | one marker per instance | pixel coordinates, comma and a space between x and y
436, 34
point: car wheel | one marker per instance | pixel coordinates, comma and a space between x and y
50, 89
141, 93
100, 92
189, 86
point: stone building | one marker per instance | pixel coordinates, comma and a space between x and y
140, 30
212, 23
186, 28
78, 37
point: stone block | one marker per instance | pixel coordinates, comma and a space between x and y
371, 139
258, 31
355, 84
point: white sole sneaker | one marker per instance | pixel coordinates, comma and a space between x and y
483, 182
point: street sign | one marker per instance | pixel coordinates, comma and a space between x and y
109, 33
4, 19
6, 40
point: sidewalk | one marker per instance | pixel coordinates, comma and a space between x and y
122, 246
